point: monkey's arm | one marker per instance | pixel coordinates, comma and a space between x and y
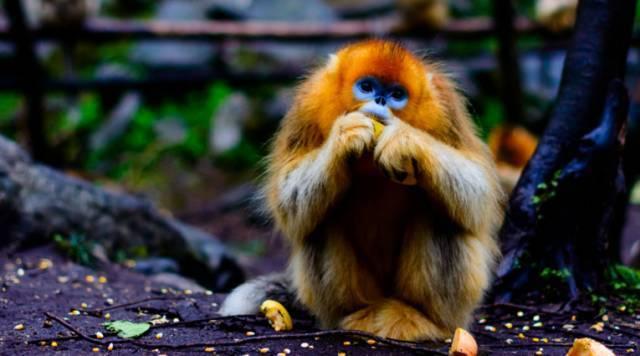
302, 186
461, 180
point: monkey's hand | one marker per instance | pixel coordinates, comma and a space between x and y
396, 153
351, 135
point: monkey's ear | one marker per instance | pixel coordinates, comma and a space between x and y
332, 63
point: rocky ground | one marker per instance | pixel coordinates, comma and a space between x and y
50, 304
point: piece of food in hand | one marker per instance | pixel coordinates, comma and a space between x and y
463, 344
277, 315
377, 128
588, 347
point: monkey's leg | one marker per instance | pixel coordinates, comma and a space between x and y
246, 298
444, 273
395, 319
301, 192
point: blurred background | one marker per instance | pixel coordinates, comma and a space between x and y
176, 100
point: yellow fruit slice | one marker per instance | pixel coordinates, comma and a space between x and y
463, 344
377, 128
588, 347
277, 314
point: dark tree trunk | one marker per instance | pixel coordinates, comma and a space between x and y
37, 202
561, 213
30, 80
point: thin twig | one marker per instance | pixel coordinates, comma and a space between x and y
522, 307
99, 312
285, 336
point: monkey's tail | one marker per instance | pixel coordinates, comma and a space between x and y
246, 298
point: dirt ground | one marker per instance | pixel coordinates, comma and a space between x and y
59, 301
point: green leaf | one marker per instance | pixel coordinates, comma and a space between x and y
127, 329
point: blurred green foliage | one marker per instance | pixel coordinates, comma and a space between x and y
77, 247
139, 147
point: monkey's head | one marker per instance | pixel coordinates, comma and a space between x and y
379, 78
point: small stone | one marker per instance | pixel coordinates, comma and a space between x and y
622, 308
264, 350
605, 317
250, 333
629, 351
208, 292
95, 349
20, 272
520, 314
508, 325
63, 279
521, 336
54, 344
537, 325
304, 345
535, 339
99, 335
84, 306
74, 312
110, 347
341, 353
573, 318
525, 328
536, 318
44, 263
545, 340
482, 321
490, 328
19, 327
568, 327
209, 349
109, 301
346, 343
107, 316
371, 341
509, 341
598, 327
287, 351
102, 279
281, 354
448, 341
89, 278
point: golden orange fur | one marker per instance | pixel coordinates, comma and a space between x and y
392, 234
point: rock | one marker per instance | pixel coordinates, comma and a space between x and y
37, 202
117, 121
177, 282
170, 131
156, 265
227, 123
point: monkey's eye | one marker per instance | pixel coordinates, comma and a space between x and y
398, 98
366, 86
398, 94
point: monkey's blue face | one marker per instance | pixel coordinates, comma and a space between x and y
379, 98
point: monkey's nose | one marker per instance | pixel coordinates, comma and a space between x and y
381, 100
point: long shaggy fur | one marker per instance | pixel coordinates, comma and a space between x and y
392, 234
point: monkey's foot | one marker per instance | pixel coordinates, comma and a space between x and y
394, 319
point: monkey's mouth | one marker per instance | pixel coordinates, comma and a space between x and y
377, 112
